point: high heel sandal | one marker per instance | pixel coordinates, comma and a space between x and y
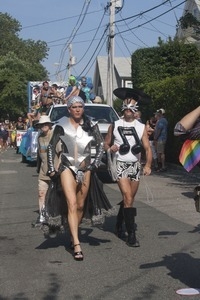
79, 254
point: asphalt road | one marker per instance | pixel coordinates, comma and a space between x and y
34, 267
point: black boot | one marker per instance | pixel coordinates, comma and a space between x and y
120, 220
129, 218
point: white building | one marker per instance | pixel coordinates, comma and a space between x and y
190, 34
122, 74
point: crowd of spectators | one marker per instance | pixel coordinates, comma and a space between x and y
42, 97
8, 132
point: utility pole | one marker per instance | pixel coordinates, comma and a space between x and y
72, 60
110, 78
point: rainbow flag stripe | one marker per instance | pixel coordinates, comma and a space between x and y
190, 154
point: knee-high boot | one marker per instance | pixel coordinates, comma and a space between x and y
129, 218
120, 220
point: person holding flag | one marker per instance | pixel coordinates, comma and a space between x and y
189, 126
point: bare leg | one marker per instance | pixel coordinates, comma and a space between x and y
82, 194
128, 189
41, 199
75, 196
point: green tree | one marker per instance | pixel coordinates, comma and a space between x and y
20, 62
169, 73
167, 60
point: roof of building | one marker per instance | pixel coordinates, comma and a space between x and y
122, 70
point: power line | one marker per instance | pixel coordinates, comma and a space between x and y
58, 20
124, 45
157, 30
141, 13
133, 33
81, 33
140, 25
137, 26
137, 15
92, 39
103, 35
75, 30
174, 12
129, 29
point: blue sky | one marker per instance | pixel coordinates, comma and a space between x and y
82, 24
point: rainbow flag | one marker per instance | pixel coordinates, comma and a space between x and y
190, 154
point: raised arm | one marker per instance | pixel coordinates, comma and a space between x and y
189, 120
187, 124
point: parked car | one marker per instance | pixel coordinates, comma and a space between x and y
28, 145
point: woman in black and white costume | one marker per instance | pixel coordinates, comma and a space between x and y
124, 140
72, 144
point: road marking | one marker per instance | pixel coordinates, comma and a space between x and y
8, 172
10, 160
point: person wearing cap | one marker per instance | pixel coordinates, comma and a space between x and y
97, 100
160, 138
161, 110
73, 148
45, 135
125, 139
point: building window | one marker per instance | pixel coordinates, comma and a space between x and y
128, 84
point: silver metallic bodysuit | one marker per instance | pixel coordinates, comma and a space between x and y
76, 147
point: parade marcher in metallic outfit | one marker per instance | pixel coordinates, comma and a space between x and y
74, 150
125, 139
45, 134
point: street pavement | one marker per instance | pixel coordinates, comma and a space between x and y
35, 267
